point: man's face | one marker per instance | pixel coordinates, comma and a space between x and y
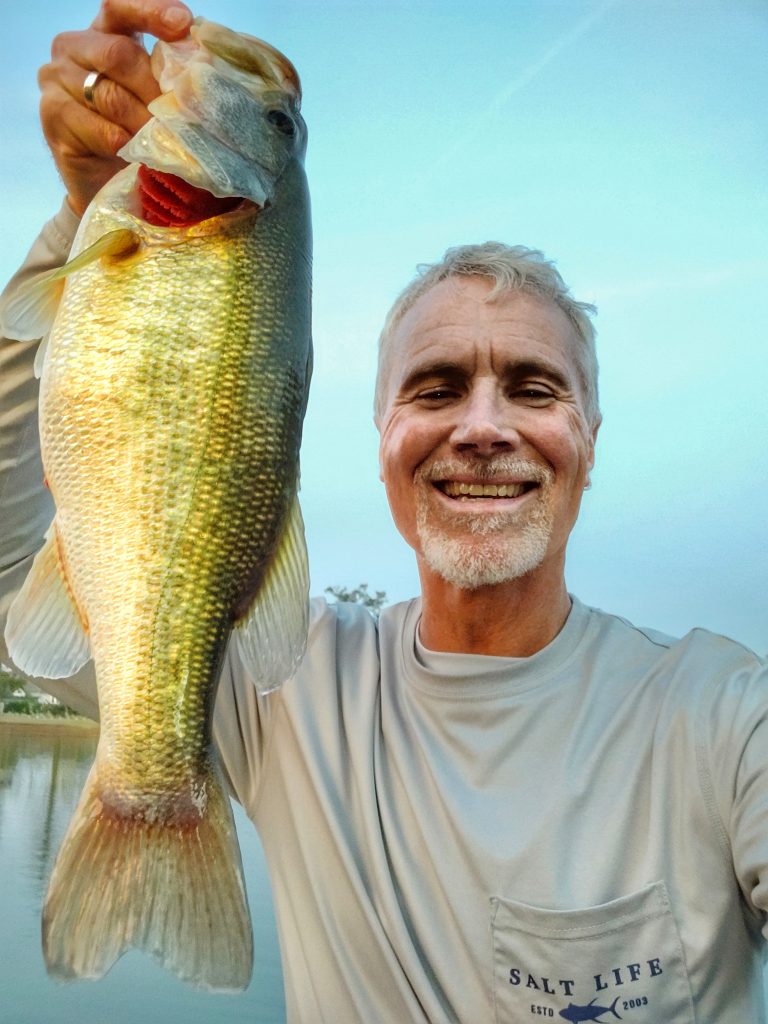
484, 397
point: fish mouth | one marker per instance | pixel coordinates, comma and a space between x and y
227, 121
168, 201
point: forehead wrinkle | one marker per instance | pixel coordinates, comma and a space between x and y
508, 356
543, 324
464, 328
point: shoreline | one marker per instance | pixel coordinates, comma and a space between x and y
48, 723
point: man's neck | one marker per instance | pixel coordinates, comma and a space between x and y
513, 620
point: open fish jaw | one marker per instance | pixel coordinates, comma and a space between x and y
219, 121
247, 55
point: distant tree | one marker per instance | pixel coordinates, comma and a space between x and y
10, 683
360, 595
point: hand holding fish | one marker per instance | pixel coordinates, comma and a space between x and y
84, 141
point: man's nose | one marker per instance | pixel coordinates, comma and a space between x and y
485, 424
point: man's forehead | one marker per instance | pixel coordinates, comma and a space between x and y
458, 309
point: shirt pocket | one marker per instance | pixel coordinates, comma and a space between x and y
621, 960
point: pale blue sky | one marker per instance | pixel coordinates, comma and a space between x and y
627, 138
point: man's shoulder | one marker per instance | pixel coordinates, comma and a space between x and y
327, 615
340, 628
351, 617
610, 627
698, 659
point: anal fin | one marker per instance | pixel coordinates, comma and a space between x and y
272, 635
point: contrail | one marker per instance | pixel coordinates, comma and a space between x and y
522, 80
535, 69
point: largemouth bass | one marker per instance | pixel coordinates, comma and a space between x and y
173, 390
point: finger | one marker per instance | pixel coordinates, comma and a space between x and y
111, 100
120, 58
75, 132
119, 107
84, 146
166, 19
115, 104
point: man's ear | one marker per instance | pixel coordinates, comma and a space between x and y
595, 430
377, 424
591, 454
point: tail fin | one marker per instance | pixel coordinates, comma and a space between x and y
176, 893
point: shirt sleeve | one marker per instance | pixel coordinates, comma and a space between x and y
26, 507
738, 766
244, 721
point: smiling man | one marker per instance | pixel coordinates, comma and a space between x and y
496, 804
486, 402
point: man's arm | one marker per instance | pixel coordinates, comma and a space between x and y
26, 507
738, 757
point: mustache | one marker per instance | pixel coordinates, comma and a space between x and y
500, 468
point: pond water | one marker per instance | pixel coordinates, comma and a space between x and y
41, 776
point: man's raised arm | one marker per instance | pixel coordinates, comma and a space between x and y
26, 506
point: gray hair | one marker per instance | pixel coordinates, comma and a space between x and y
511, 268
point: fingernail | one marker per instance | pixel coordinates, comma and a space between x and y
176, 18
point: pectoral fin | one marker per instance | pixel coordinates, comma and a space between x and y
272, 635
44, 632
30, 312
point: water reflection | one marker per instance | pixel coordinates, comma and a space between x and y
41, 777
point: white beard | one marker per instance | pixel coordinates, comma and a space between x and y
492, 548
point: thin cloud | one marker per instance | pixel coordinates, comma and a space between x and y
521, 81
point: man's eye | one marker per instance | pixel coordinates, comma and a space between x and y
436, 395
534, 394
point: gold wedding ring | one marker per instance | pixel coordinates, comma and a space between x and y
92, 79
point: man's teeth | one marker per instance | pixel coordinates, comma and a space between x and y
456, 490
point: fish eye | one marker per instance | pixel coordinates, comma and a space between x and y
281, 121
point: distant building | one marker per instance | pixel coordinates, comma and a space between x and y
40, 695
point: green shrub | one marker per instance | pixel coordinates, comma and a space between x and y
9, 683
20, 706
55, 710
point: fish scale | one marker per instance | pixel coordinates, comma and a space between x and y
211, 523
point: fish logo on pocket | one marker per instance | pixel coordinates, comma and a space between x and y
590, 1012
